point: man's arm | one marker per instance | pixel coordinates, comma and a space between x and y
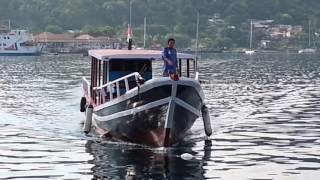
168, 61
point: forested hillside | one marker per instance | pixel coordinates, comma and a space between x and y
164, 16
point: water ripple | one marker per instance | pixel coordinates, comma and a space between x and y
265, 111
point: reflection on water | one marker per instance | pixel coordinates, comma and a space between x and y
122, 161
265, 112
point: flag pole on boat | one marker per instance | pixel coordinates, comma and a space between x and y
129, 35
130, 15
144, 32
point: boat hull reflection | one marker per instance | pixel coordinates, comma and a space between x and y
123, 161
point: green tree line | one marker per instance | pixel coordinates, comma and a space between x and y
165, 18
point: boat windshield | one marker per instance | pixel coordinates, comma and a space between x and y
123, 67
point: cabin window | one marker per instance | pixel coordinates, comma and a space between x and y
122, 67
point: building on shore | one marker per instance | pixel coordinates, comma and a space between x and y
285, 31
67, 43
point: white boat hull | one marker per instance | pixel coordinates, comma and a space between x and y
250, 52
307, 51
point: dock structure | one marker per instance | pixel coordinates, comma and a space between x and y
68, 43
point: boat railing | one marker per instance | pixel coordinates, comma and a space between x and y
116, 88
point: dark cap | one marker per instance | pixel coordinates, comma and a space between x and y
171, 39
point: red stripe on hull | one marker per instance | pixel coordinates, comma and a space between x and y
157, 137
167, 137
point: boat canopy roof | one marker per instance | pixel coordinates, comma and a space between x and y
107, 54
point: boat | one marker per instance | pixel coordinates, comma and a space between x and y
52, 54
203, 50
18, 43
250, 51
123, 100
308, 50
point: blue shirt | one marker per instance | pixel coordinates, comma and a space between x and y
171, 54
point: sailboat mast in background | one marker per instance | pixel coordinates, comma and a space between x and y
309, 49
145, 32
250, 51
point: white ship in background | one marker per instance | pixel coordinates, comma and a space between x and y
17, 43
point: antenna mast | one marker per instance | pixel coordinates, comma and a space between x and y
197, 37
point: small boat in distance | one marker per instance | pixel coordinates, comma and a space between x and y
52, 54
249, 52
308, 50
125, 102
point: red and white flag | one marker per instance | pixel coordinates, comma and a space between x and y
129, 33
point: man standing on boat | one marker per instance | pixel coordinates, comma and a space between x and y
169, 56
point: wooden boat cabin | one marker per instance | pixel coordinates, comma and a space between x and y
115, 72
